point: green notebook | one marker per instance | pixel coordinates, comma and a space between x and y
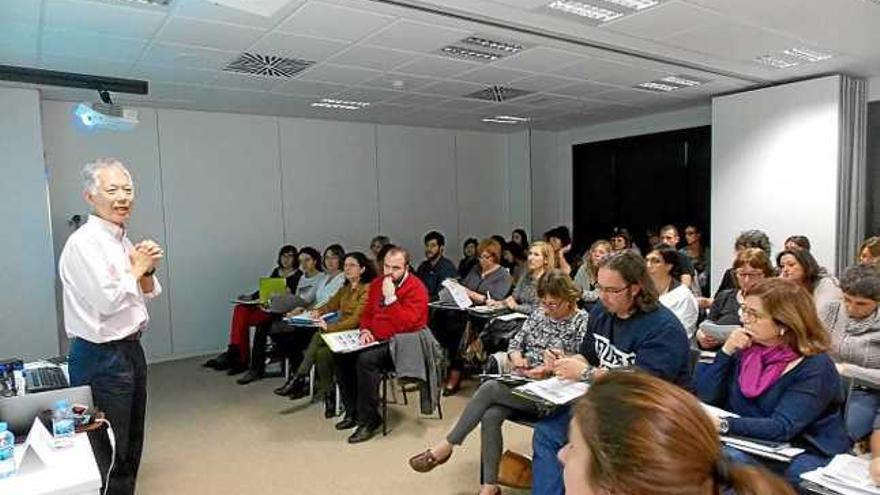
270, 286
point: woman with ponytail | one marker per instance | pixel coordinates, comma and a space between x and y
636, 434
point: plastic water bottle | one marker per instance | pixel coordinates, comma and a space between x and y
63, 430
7, 452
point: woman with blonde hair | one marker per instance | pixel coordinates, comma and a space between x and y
869, 251
776, 374
637, 434
587, 275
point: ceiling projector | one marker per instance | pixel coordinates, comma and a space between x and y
109, 116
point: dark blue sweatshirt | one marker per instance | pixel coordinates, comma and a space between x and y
802, 407
654, 341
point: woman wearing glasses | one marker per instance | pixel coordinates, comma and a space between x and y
750, 267
553, 330
776, 374
665, 271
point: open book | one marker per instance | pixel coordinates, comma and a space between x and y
348, 341
455, 293
846, 474
554, 391
305, 320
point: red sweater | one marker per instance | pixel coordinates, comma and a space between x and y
409, 313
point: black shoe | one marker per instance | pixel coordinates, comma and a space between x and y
330, 404
250, 376
289, 386
300, 389
347, 423
216, 361
236, 369
364, 433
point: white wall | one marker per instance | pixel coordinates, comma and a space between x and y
223, 191
775, 166
29, 328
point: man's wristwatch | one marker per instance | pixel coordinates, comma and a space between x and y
723, 426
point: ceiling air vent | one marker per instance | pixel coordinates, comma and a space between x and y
497, 93
268, 65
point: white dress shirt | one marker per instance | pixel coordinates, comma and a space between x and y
102, 299
682, 302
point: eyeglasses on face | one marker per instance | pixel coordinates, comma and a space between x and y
751, 314
611, 290
552, 305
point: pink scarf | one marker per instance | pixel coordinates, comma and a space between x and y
760, 367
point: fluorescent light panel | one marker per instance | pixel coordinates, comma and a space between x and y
657, 86
792, 57
501, 46
585, 10
807, 54
470, 53
671, 83
634, 4
506, 119
777, 61
683, 81
340, 104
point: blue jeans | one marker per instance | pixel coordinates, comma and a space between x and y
117, 374
551, 434
862, 409
791, 472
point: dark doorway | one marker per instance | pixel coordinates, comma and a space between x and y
872, 219
642, 183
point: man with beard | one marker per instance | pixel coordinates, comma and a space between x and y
436, 268
397, 303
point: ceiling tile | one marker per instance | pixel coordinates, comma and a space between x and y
492, 75
542, 82
539, 59
310, 88
451, 88
88, 45
544, 100
246, 81
732, 40
163, 73
582, 90
301, 47
416, 36
409, 83
431, 66
371, 95
339, 74
415, 100
216, 35
467, 105
103, 18
95, 67
373, 57
332, 21
663, 20
208, 11
605, 71
176, 55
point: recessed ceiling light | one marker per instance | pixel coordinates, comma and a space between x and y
585, 10
468, 53
777, 61
340, 104
502, 46
634, 4
684, 81
506, 119
807, 54
657, 86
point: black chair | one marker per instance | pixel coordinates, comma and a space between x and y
387, 376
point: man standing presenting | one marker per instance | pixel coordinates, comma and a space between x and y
436, 268
396, 303
106, 281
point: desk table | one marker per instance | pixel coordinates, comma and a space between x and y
70, 471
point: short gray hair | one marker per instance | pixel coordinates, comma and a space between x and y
861, 281
90, 172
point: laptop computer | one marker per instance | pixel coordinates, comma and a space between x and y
271, 286
19, 411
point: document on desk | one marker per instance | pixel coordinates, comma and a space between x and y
553, 390
458, 293
512, 316
783, 452
845, 474
346, 342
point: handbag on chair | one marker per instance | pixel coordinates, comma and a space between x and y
515, 470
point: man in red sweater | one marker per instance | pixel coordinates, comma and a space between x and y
396, 303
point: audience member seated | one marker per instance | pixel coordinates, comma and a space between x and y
560, 239
237, 355
437, 267
662, 265
636, 434
486, 282
376, 245
854, 323
585, 278
686, 273
698, 253
799, 266
747, 239
348, 304
869, 251
629, 329
776, 374
621, 240
519, 237
397, 302
797, 243
469, 257
555, 329
496, 335
513, 258
750, 266
305, 295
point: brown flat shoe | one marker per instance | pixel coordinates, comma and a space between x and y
426, 461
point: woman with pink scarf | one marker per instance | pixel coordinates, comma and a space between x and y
775, 373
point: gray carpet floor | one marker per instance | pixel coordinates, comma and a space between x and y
208, 435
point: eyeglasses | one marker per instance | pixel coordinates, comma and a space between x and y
744, 274
552, 306
751, 314
651, 260
486, 256
611, 290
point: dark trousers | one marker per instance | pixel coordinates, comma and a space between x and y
117, 374
448, 326
359, 375
258, 352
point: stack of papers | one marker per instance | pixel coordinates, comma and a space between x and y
552, 390
716, 331
345, 342
762, 448
512, 316
846, 474
457, 292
